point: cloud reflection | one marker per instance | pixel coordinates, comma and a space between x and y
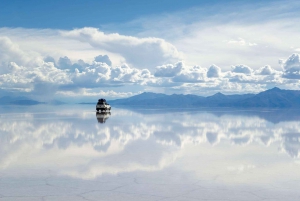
74, 143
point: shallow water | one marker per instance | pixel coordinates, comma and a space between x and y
67, 153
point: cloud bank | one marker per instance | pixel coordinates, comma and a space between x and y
130, 65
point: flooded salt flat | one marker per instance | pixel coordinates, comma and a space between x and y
73, 153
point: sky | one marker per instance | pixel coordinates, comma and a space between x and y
83, 50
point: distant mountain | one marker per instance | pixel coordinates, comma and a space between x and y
221, 100
8, 99
273, 98
159, 100
5, 99
20, 100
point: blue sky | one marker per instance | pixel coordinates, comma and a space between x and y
57, 14
68, 14
81, 50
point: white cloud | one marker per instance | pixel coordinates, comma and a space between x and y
45, 78
92, 76
162, 82
214, 71
291, 66
292, 63
103, 59
88, 43
191, 74
31, 71
241, 42
257, 35
30, 79
241, 78
124, 73
88, 92
11, 52
242, 69
140, 52
266, 70
168, 70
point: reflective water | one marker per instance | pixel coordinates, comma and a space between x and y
73, 153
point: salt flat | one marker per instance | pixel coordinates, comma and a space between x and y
72, 153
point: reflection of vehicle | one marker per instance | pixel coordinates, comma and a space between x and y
102, 116
102, 105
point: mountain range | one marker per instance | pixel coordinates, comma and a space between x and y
272, 98
21, 100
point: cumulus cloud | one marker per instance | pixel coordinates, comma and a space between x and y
64, 63
169, 70
92, 76
214, 71
242, 69
47, 76
103, 59
140, 52
11, 52
124, 73
49, 59
99, 74
191, 74
266, 70
242, 78
35, 73
88, 92
292, 63
31, 79
291, 66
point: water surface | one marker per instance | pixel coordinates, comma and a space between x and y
73, 153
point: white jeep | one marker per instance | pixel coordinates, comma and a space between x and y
102, 105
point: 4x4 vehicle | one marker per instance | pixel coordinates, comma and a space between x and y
102, 116
102, 105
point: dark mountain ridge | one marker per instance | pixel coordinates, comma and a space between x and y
272, 98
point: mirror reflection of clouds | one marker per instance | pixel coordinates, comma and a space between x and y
72, 142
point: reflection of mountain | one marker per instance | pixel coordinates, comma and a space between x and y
144, 142
273, 98
271, 115
102, 116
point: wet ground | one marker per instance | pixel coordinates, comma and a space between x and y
74, 153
